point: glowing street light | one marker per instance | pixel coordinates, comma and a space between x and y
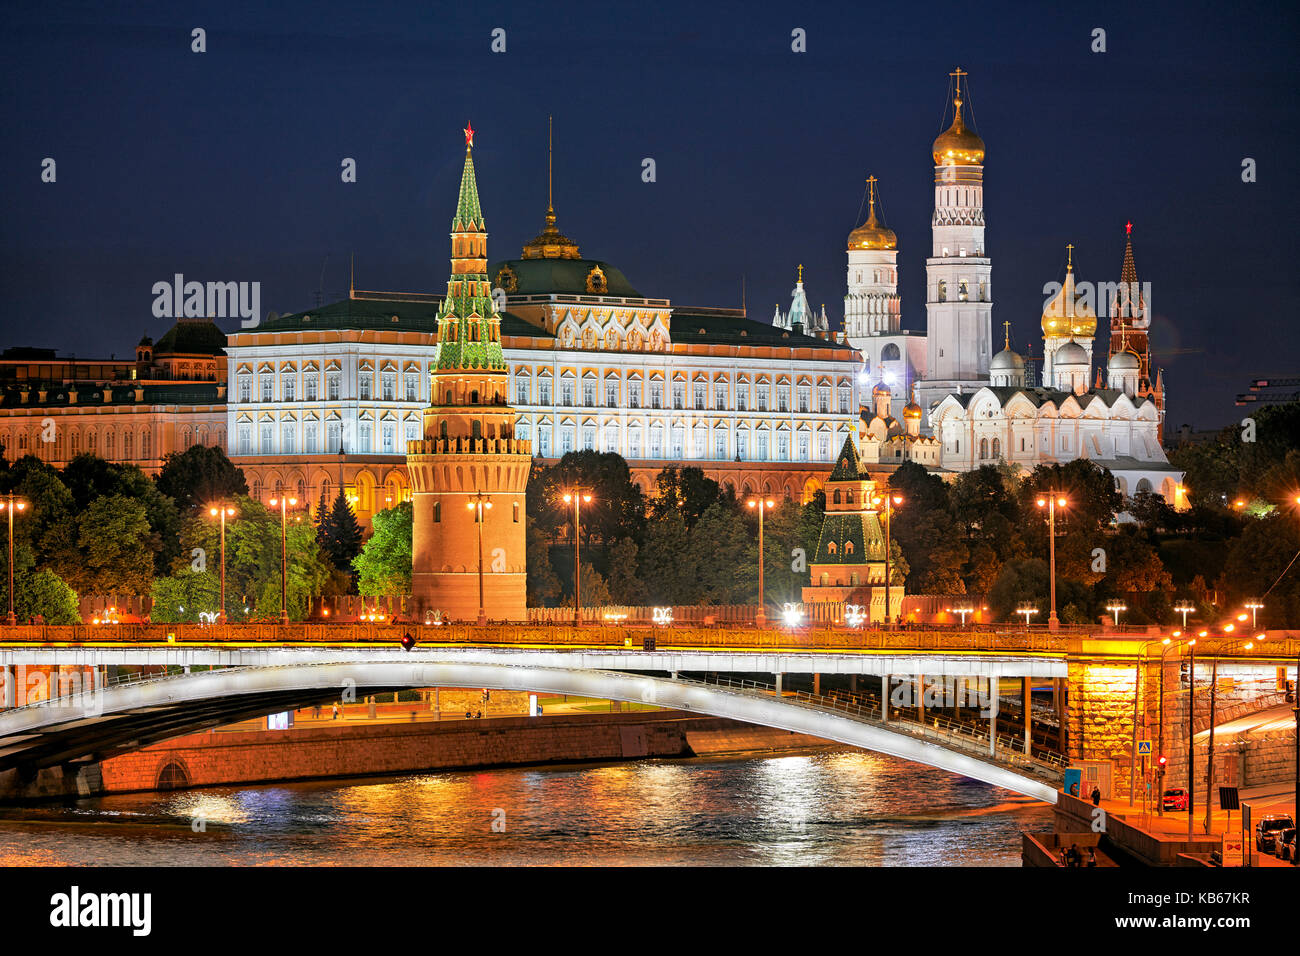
1051, 502
10, 504
1116, 607
963, 611
284, 503
1254, 607
889, 501
222, 510
762, 504
578, 497
1185, 609
792, 614
1028, 612
854, 615
478, 501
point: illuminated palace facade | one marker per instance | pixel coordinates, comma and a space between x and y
334, 394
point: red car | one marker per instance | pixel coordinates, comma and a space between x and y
1175, 799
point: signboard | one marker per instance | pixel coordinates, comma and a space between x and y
1233, 849
532, 705
1228, 799
279, 721
1144, 747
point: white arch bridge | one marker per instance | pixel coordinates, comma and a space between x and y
109, 718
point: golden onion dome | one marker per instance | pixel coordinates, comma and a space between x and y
1066, 315
957, 145
872, 235
912, 411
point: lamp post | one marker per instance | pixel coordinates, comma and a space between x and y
1191, 733
1051, 502
578, 497
1116, 607
963, 611
1209, 768
478, 501
1137, 684
222, 510
10, 504
1027, 611
1254, 607
762, 504
889, 501
284, 503
1185, 609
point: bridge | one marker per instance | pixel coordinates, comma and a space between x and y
150, 683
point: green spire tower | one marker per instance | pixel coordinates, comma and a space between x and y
469, 327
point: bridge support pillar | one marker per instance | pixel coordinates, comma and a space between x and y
885, 681
920, 697
10, 681
853, 683
1027, 693
778, 685
817, 685
993, 716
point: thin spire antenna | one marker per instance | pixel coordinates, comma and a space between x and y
352, 277
550, 126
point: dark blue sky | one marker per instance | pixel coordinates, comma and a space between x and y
225, 165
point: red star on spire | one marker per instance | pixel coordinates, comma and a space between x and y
469, 134
1128, 228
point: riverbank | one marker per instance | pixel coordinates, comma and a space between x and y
327, 749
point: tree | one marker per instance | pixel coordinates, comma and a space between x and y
687, 490
44, 593
616, 509
595, 593
543, 583
180, 598
724, 556
339, 534
625, 587
384, 564
666, 561
114, 549
198, 476
1262, 564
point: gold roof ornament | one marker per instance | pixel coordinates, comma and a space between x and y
957, 145
871, 234
550, 243
912, 410
1065, 314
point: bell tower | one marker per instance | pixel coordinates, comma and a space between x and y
469, 472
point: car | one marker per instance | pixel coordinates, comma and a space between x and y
1175, 798
1268, 828
1285, 849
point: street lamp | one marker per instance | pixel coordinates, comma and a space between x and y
889, 501
1185, 609
1254, 607
762, 504
222, 510
1191, 733
478, 501
1116, 607
578, 497
1137, 682
10, 504
963, 611
1051, 503
1214, 688
284, 503
1027, 611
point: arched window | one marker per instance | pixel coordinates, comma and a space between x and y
848, 547
437, 511
943, 291
830, 547
848, 496
837, 496
984, 447
997, 448
890, 353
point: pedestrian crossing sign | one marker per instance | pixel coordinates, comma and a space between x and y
1144, 746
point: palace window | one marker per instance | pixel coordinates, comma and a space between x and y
268, 440
720, 397
720, 446
289, 389
311, 388
679, 397
268, 386
544, 442
677, 444
566, 393
566, 441
545, 393
588, 394
390, 386
611, 394
245, 388
963, 291
634, 397
823, 448
390, 439
783, 398
824, 400
943, 290
332, 383
245, 440
363, 386
412, 387
656, 396
803, 447
634, 443
803, 400
589, 438
286, 438
699, 398
521, 393
309, 434
762, 448
742, 399
332, 438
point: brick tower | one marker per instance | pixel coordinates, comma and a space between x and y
469, 462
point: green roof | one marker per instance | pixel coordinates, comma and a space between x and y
188, 393
192, 337
361, 314
730, 327
847, 468
468, 212
861, 530
562, 277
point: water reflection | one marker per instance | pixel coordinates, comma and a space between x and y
835, 808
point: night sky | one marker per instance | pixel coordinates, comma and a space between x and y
225, 165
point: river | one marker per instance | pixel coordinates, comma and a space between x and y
814, 808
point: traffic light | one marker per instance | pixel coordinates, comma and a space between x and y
408, 641
1160, 763
1290, 692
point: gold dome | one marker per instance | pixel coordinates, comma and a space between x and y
871, 234
957, 145
1065, 314
912, 411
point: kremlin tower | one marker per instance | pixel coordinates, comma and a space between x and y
469, 463
959, 296
1129, 324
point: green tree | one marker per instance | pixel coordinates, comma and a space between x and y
543, 583
384, 564
199, 475
1262, 564
114, 549
595, 592
616, 509
339, 534
687, 490
667, 562
181, 597
44, 593
625, 587
724, 554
